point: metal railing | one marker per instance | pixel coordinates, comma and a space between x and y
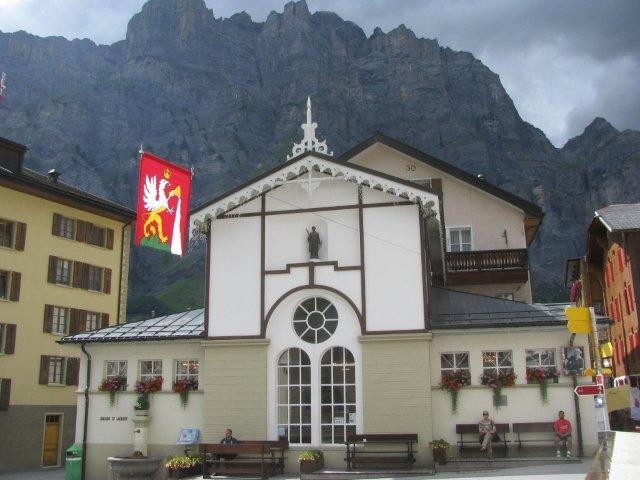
484, 260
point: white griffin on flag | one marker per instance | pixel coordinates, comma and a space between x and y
156, 202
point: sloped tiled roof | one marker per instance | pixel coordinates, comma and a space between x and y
621, 217
182, 325
449, 309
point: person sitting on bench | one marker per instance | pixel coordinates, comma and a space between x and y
228, 439
487, 430
562, 427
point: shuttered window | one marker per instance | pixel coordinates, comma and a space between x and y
60, 319
7, 338
62, 271
94, 278
79, 275
56, 370
7, 233
5, 393
82, 231
10, 285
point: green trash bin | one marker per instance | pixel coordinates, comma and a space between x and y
73, 463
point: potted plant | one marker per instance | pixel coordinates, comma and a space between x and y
183, 387
113, 385
311, 461
541, 376
453, 381
439, 448
143, 388
497, 381
184, 466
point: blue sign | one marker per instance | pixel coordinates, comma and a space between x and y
188, 436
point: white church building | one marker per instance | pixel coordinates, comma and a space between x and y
338, 291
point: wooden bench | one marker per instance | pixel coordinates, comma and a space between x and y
463, 429
362, 449
534, 427
261, 458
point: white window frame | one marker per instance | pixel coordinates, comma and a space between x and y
460, 229
498, 367
59, 320
339, 427
120, 370
62, 265
56, 374
456, 362
177, 364
154, 372
539, 364
92, 321
95, 274
293, 409
67, 227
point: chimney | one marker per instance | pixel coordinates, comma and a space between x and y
11, 155
53, 175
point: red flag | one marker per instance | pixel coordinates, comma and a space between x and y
163, 204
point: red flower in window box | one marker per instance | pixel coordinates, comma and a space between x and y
453, 381
183, 387
541, 376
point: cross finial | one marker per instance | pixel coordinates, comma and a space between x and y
309, 141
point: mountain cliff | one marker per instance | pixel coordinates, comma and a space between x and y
227, 96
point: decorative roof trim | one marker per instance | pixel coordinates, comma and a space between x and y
309, 142
311, 161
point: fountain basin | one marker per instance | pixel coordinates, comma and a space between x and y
127, 468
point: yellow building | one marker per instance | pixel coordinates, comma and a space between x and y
64, 256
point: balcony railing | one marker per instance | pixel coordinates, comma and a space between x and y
487, 260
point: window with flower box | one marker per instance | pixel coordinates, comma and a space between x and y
150, 369
187, 370
541, 363
453, 361
497, 361
115, 368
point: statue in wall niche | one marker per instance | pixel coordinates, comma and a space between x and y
314, 243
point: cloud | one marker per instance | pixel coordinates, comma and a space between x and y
562, 62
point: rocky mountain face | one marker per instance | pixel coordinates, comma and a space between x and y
227, 96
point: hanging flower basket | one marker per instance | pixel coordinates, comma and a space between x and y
542, 376
113, 385
183, 387
452, 382
498, 381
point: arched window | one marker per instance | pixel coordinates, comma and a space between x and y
338, 395
294, 396
315, 320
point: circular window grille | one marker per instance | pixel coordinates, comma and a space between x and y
315, 320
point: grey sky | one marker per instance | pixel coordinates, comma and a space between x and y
562, 62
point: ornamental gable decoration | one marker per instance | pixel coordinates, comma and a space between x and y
164, 190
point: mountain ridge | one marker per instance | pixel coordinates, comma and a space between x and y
227, 96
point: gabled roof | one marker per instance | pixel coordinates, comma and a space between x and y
317, 162
620, 218
183, 325
450, 309
529, 208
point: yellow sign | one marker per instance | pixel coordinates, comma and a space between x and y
579, 320
606, 350
618, 398
589, 372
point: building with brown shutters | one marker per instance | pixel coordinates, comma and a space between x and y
64, 257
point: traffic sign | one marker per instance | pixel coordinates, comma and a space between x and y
590, 389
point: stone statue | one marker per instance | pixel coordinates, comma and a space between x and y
314, 243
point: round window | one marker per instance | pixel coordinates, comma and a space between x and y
315, 320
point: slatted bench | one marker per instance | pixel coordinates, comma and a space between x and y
534, 427
381, 449
470, 429
257, 459
277, 448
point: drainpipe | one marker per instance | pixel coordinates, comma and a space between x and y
86, 412
576, 403
120, 279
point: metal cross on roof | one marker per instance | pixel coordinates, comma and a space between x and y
309, 142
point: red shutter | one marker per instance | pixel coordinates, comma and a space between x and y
631, 301
55, 227
611, 270
5, 393
51, 275
626, 301
44, 370
620, 261
10, 338
106, 286
21, 235
81, 230
73, 368
104, 321
47, 324
110, 233
14, 296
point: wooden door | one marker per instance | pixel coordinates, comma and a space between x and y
51, 444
